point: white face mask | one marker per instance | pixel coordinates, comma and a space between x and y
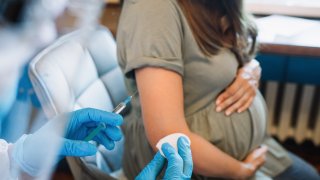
14, 54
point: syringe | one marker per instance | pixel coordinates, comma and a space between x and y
117, 110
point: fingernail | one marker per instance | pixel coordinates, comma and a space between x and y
218, 109
264, 146
218, 102
238, 111
256, 154
228, 113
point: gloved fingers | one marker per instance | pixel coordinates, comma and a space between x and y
185, 153
96, 115
77, 148
157, 162
112, 132
174, 159
90, 124
105, 141
152, 170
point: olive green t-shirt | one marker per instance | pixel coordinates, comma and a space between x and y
155, 33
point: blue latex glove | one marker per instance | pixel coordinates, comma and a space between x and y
38, 152
179, 166
82, 123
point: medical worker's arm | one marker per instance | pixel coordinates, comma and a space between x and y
179, 163
240, 94
63, 136
5, 160
161, 96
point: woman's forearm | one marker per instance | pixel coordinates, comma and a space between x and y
211, 161
208, 160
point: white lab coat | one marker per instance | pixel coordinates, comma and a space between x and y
11, 166
5, 166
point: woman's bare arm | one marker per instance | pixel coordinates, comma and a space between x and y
161, 96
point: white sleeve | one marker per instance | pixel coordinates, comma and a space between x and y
5, 161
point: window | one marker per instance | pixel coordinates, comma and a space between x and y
305, 8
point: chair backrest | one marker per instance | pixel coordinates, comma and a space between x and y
69, 75
80, 70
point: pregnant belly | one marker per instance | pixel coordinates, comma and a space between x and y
237, 134
258, 112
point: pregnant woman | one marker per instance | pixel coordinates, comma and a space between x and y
189, 61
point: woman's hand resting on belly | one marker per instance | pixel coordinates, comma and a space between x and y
239, 95
253, 162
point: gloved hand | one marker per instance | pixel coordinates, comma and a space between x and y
179, 166
82, 123
38, 152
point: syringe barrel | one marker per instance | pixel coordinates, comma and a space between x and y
119, 108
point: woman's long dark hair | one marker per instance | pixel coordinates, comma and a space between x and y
220, 24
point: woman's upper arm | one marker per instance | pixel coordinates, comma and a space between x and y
161, 98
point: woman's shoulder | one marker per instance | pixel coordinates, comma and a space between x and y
150, 14
152, 6
149, 2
